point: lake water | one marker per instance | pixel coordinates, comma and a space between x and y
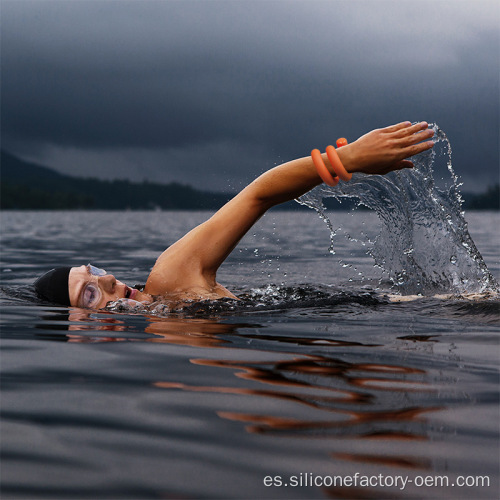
317, 381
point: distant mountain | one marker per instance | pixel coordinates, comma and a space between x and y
26, 185
15, 169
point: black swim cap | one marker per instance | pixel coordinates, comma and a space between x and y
53, 286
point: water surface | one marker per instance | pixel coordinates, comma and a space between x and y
317, 372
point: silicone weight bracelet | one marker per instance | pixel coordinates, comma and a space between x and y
323, 172
336, 164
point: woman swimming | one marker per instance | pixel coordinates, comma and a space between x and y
187, 269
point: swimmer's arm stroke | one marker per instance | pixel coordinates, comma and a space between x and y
194, 259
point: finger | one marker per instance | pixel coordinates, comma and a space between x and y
404, 164
398, 126
418, 148
399, 165
413, 129
416, 137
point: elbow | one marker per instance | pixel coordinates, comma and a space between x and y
262, 195
261, 204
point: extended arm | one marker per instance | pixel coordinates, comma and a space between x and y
195, 258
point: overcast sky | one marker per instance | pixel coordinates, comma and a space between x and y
212, 93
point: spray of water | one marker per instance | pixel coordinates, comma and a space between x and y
424, 244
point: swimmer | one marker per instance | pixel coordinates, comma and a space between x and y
187, 270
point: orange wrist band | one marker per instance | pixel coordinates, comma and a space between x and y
336, 164
323, 172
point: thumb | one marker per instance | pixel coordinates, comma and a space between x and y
403, 164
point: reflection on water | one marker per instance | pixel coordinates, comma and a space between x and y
339, 389
361, 400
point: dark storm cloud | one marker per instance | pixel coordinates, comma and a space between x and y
219, 91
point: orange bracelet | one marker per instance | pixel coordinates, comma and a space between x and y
323, 172
336, 164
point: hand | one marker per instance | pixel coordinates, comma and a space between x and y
383, 150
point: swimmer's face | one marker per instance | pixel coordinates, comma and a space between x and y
93, 288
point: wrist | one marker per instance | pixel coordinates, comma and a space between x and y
347, 157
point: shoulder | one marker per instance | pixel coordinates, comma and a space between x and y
169, 275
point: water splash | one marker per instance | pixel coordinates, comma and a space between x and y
424, 244
268, 298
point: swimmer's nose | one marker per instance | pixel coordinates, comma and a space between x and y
107, 283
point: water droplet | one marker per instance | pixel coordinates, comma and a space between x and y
453, 259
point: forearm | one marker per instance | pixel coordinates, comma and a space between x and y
286, 182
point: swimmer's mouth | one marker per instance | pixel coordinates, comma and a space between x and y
130, 293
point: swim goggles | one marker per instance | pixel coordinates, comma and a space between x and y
91, 294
